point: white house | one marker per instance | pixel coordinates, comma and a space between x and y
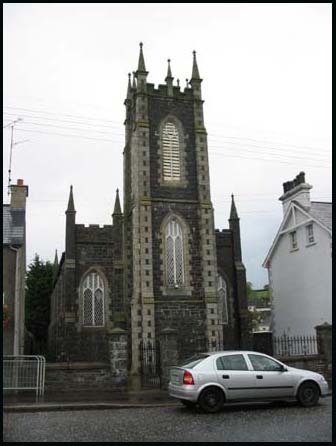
299, 263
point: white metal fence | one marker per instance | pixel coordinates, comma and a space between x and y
24, 372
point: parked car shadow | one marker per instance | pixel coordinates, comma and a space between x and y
244, 406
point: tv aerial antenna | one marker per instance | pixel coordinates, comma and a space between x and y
12, 144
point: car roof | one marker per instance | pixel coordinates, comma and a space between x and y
230, 352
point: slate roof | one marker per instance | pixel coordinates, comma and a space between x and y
322, 211
13, 225
319, 210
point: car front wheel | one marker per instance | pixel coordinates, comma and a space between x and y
308, 394
211, 399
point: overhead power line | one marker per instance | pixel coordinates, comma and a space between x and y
244, 147
267, 150
90, 118
224, 154
118, 124
61, 120
66, 135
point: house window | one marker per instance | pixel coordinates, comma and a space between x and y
93, 301
222, 299
310, 233
171, 152
174, 254
293, 240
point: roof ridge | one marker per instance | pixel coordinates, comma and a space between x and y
322, 202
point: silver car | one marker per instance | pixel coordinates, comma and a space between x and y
210, 379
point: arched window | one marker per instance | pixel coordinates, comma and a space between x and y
174, 254
93, 300
171, 152
222, 299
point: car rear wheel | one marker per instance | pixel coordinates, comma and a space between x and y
308, 394
188, 404
211, 399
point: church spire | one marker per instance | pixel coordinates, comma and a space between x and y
134, 84
169, 80
129, 95
195, 81
55, 266
195, 73
70, 230
117, 208
235, 229
141, 73
169, 74
233, 213
71, 206
141, 63
117, 215
56, 259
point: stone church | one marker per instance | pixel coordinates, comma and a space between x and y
160, 264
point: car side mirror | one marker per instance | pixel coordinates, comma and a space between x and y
283, 368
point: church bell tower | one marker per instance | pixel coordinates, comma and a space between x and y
170, 260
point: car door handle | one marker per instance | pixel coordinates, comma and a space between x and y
226, 376
260, 377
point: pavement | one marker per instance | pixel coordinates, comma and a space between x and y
27, 401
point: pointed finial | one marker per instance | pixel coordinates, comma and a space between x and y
128, 96
71, 206
117, 208
169, 74
233, 213
195, 73
55, 267
178, 82
186, 83
134, 84
141, 63
169, 79
56, 258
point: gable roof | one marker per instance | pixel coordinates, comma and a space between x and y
13, 225
323, 212
320, 212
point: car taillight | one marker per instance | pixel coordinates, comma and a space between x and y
188, 378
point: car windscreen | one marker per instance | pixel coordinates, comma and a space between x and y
190, 363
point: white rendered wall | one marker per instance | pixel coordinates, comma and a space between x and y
301, 284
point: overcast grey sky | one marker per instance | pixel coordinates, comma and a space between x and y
266, 72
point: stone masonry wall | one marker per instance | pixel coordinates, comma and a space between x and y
226, 267
79, 376
315, 363
188, 321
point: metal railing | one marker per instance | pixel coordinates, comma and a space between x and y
24, 372
150, 360
294, 345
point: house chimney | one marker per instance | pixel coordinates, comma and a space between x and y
19, 192
296, 190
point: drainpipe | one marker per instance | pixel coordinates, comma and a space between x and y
16, 304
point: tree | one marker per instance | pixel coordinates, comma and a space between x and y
249, 290
39, 282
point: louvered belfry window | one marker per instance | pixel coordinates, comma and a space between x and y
222, 298
171, 152
93, 301
174, 253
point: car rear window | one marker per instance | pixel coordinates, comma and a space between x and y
190, 363
231, 362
